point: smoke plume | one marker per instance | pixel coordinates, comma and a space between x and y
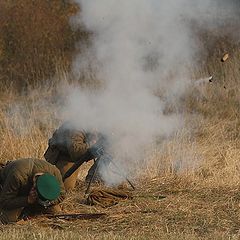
140, 51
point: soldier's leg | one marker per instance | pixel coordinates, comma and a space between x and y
64, 166
10, 216
60, 160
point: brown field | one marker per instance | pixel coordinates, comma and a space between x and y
196, 196
201, 190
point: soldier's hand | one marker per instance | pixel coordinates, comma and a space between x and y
32, 197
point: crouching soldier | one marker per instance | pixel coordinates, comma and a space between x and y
68, 145
31, 186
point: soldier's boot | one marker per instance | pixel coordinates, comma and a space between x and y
10, 216
64, 166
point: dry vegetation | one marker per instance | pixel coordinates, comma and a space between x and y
36, 40
197, 170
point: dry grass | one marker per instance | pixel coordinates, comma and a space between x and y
35, 39
197, 170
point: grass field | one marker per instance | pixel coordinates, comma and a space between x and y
190, 189
188, 186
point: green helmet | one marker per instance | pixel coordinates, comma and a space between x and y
48, 187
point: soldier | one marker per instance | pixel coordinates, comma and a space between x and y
29, 185
66, 146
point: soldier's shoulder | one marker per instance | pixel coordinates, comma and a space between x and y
20, 162
19, 168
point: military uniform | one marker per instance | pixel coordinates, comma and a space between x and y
16, 179
65, 147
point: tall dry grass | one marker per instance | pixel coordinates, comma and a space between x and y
206, 149
35, 39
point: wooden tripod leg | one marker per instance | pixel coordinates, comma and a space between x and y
91, 179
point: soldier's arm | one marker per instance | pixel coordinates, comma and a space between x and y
62, 191
9, 198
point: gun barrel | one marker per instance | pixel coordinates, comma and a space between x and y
77, 216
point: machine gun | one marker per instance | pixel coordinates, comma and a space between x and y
94, 152
99, 152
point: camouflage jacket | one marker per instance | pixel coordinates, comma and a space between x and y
16, 179
66, 144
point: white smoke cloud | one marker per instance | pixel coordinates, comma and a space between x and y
140, 50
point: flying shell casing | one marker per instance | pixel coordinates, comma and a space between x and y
225, 57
